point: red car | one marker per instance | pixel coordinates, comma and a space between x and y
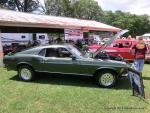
122, 47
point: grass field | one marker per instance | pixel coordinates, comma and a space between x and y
65, 94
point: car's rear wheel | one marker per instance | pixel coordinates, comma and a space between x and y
106, 78
25, 73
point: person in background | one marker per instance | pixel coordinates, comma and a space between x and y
58, 40
139, 54
129, 37
79, 44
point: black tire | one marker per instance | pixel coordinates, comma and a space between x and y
26, 73
106, 78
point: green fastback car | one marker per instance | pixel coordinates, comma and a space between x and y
64, 59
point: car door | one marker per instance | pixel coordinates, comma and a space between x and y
58, 60
124, 50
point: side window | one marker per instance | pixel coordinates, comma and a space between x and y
127, 44
42, 52
55, 52
122, 44
63, 53
116, 44
51, 52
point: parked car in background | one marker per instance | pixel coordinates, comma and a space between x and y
146, 36
122, 48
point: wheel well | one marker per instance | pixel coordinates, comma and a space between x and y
24, 64
103, 69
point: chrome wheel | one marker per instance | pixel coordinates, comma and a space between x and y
107, 79
25, 74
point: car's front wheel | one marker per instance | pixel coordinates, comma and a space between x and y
25, 73
106, 78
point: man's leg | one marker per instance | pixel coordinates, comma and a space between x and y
136, 64
141, 65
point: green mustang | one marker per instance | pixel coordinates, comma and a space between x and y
67, 59
64, 59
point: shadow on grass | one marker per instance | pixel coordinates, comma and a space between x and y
73, 80
146, 78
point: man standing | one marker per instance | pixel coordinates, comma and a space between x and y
139, 54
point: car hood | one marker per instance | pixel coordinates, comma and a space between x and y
109, 42
106, 62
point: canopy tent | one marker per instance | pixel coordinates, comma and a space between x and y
15, 19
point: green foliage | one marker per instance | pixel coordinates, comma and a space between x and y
88, 9
83, 9
137, 25
21, 5
58, 7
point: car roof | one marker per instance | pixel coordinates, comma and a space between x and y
43, 47
54, 45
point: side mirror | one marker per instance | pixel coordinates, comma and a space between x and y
9, 54
91, 55
73, 57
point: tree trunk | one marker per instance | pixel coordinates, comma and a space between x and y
18, 5
26, 5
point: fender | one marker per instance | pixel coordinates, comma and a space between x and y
106, 68
23, 63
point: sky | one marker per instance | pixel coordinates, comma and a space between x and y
138, 7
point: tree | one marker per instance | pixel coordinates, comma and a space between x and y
21, 5
137, 25
88, 9
58, 7
3, 2
83, 9
108, 17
